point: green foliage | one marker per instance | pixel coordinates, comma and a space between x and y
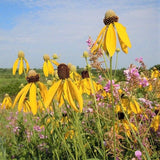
156, 66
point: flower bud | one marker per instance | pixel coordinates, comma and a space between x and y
73, 68
69, 65
55, 56
49, 82
117, 50
85, 54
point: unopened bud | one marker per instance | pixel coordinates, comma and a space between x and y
49, 82
117, 50
85, 54
55, 56
73, 68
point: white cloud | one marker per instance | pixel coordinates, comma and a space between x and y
63, 27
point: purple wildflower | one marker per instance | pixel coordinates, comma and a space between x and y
37, 128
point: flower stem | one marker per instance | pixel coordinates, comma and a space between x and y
99, 127
116, 65
113, 120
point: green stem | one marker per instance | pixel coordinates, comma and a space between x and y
116, 65
114, 133
105, 62
99, 127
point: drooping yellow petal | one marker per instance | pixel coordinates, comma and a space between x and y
68, 95
43, 90
20, 93
26, 106
45, 69
54, 62
59, 95
135, 107
121, 30
123, 46
21, 67
32, 98
51, 93
75, 93
23, 96
101, 40
27, 65
111, 40
15, 65
95, 44
50, 68
104, 43
155, 122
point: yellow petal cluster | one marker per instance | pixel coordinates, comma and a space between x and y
65, 89
155, 122
7, 102
48, 68
21, 61
30, 90
85, 86
129, 106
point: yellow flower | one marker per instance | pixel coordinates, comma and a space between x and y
130, 106
48, 68
64, 88
7, 102
155, 73
85, 85
69, 134
155, 122
123, 125
32, 89
127, 127
22, 59
107, 36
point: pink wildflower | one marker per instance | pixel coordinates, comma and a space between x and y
138, 154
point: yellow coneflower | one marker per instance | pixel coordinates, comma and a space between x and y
129, 106
155, 122
22, 59
123, 125
85, 85
31, 88
7, 102
48, 68
107, 36
70, 134
64, 88
155, 73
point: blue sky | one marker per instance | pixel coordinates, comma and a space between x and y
41, 27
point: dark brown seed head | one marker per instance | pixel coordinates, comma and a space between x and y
63, 71
156, 111
32, 76
120, 115
110, 17
85, 74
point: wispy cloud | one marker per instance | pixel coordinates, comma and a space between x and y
63, 27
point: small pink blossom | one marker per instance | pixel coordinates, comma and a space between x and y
138, 154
